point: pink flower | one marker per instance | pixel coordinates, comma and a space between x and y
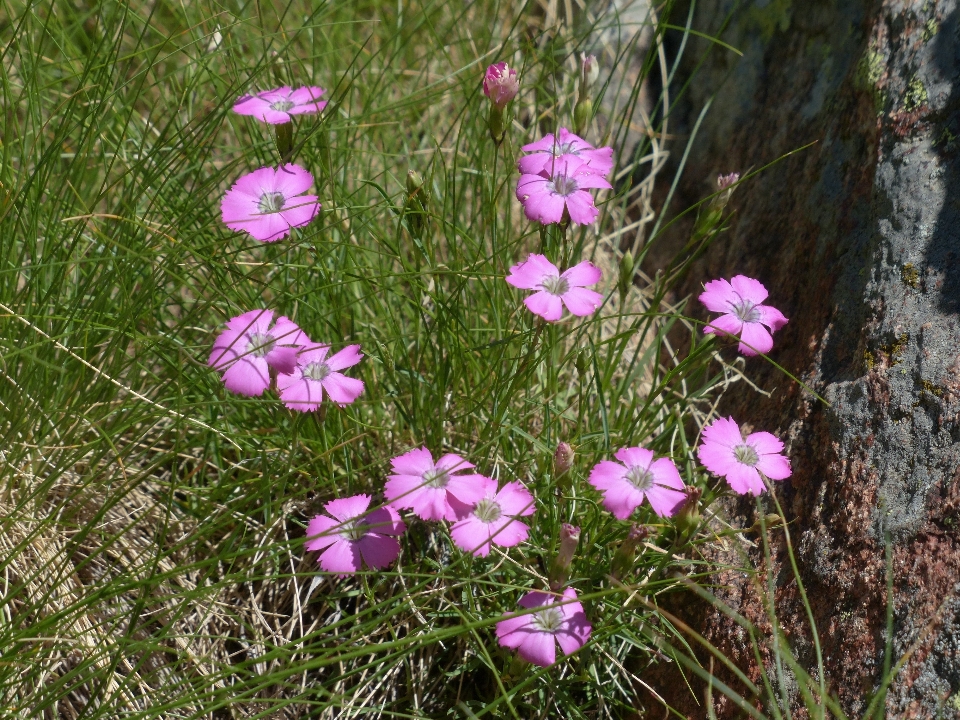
249, 347
725, 452
500, 84
353, 534
432, 490
492, 520
625, 486
303, 388
560, 191
267, 203
276, 106
549, 151
535, 635
554, 290
743, 315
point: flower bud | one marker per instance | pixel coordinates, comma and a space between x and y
581, 364
589, 73
562, 458
560, 568
626, 554
415, 206
725, 181
687, 519
625, 282
500, 84
284, 135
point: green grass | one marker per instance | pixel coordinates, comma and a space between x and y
153, 523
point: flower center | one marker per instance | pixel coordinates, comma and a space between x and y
436, 478
317, 371
746, 311
562, 185
548, 620
746, 455
555, 285
281, 105
271, 202
641, 478
563, 149
260, 344
488, 511
353, 529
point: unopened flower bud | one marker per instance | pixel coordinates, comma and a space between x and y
415, 207
589, 72
581, 364
625, 281
500, 84
562, 458
626, 554
560, 569
284, 135
687, 519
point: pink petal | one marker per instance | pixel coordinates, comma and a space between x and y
764, 443
665, 473
342, 390
468, 489
512, 631
581, 208
299, 393
622, 498
515, 500
538, 202
534, 164
582, 302
471, 535
544, 144
399, 489
635, 457
716, 458
313, 354
226, 348
271, 96
664, 501
754, 338
775, 467
536, 598
247, 376
413, 462
749, 289
583, 274
606, 473
452, 462
274, 117
282, 359
588, 179
724, 431
508, 532
544, 304
292, 180
599, 160
252, 321
378, 551
385, 521
529, 274
307, 95
300, 210
348, 508
719, 296
539, 648
288, 332
724, 325
347, 357
744, 479
321, 532
250, 105
771, 317
431, 504
341, 557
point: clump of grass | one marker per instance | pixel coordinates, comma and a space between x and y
153, 525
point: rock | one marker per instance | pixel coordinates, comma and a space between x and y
858, 239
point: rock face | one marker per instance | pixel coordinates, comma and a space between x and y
858, 239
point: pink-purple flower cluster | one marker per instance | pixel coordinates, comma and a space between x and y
257, 351
253, 352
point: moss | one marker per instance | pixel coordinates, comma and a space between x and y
870, 71
954, 702
910, 276
931, 388
896, 348
775, 16
916, 95
869, 360
930, 28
